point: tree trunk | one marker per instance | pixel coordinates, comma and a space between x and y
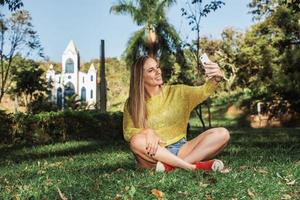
199, 113
151, 42
1, 95
209, 113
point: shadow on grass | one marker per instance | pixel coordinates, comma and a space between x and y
272, 144
283, 142
22, 153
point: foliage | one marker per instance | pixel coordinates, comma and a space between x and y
74, 103
117, 76
157, 38
12, 4
28, 81
17, 36
46, 127
262, 164
5, 126
270, 57
263, 8
41, 103
194, 13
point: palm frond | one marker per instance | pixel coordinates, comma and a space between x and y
129, 7
135, 46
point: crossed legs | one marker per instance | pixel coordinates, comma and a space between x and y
203, 147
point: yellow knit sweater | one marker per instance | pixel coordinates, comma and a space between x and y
169, 112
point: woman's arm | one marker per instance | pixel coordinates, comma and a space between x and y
129, 130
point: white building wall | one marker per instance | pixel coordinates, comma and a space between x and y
78, 79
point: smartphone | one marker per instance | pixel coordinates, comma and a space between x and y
204, 59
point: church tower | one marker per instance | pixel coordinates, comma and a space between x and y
70, 69
72, 81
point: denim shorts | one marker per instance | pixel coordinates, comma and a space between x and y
174, 148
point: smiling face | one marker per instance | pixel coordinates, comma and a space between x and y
152, 73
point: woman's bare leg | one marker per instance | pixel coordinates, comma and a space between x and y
204, 146
138, 146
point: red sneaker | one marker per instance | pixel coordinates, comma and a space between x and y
163, 167
214, 165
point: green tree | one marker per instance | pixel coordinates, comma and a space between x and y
16, 37
270, 54
196, 10
157, 37
27, 80
12, 4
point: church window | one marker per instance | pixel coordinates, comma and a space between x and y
83, 94
82, 79
91, 94
69, 68
69, 89
69, 77
92, 78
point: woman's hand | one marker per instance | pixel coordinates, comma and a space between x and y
152, 142
212, 70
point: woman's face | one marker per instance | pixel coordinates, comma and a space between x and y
152, 73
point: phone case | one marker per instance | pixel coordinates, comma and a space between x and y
204, 59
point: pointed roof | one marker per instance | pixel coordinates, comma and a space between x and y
71, 47
92, 67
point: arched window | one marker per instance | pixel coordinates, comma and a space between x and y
69, 89
69, 68
83, 94
92, 78
83, 79
91, 94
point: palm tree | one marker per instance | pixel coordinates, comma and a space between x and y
157, 38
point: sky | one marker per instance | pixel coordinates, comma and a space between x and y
86, 22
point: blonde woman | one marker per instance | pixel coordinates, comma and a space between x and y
156, 117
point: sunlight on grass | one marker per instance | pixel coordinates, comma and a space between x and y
262, 163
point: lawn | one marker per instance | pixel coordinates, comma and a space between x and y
262, 164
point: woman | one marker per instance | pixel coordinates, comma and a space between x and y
156, 117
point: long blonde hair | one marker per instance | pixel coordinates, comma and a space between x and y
137, 95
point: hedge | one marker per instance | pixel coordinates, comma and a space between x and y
47, 127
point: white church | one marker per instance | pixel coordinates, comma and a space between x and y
71, 80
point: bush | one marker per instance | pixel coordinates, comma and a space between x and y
5, 127
47, 127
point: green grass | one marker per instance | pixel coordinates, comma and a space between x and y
264, 164
218, 117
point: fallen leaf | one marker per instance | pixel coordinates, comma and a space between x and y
61, 195
120, 170
132, 191
291, 182
225, 170
204, 185
118, 197
286, 196
278, 175
208, 197
55, 164
250, 193
212, 181
262, 171
243, 167
157, 193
